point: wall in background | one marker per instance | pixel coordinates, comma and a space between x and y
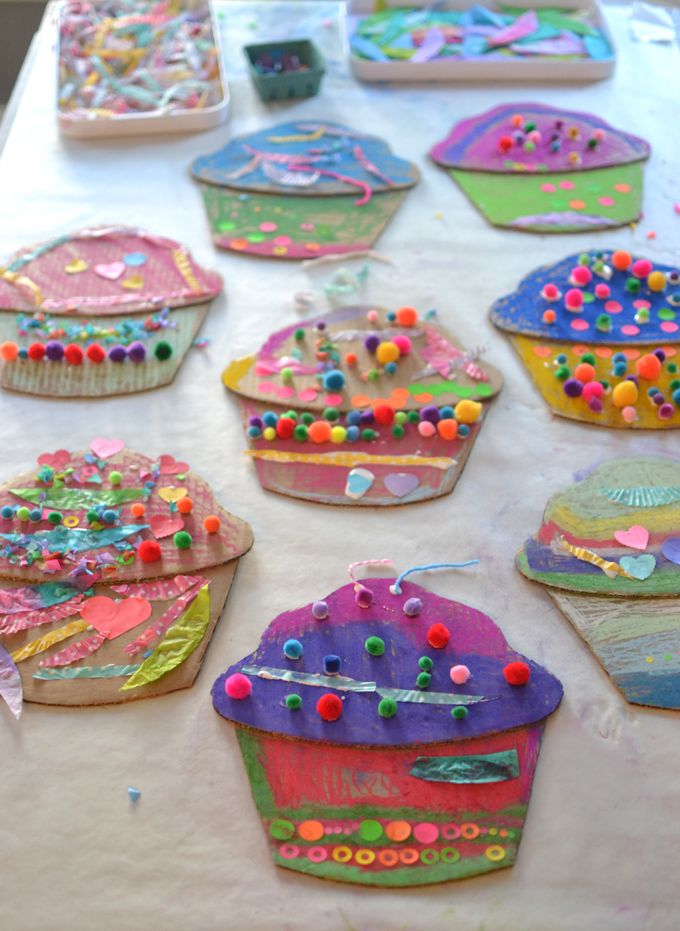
18, 23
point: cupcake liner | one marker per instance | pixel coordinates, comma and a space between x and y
359, 815
285, 227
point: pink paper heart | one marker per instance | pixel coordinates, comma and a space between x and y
164, 526
104, 449
113, 618
58, 460
636, 537
110, 270
170, 466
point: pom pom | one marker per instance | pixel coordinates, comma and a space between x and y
118, 354
238, 686
459, 712
351, 359
426, 428
182, 540
54, 351
467, 412
319, 431
372, 342
138, 510
447, 429
212, 523
364, 598
584, 372
412, 607
550, 292
641, 268
285, 427
459, 674
23, 514
293, 701
625, 394
407, 316
9, 351
149, 551
425, 664
621, 260
185, 505
517, 673
423, 680
438, 636
293, 649
163, 350
573, 299
36, 351
387, 352
320, 610
137, 352
648, 367
331, 664
384, 414
95, 353
329, 707
581, 275
603, 291
403, 343
387, 708
375, 646
334, 380
115, 477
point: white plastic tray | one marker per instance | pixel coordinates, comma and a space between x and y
515, 69
159, 121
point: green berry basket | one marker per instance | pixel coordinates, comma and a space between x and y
286, 85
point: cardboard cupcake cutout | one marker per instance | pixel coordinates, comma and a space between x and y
533, 167
104, 311
363, 406
390, 736
114, 570
302, 190
599, 334
608, 551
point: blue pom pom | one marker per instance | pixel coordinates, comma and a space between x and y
109, 516
353, 418
36, 514
463, 429
270, 419
331, 664
391, 316
293, 649
7, 512
675, 397
617, 357
620, 368
254, 432
391, 368
333, 380
446, 413
353, 434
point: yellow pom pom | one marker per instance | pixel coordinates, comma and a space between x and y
625, 394
338, 435
656, 281
387, 352
269, 433
468, 411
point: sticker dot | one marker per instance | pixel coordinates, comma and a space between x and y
341, 854
577, 204
429, 856
364, 856
426, 832
398, 831
567, 185
449, 855
307, 227
622, 188
613, 307
580, 324
238, 244
629, 329
606, 201
495, 853
317, 854
409, 856
668, 327
282, 829
280, 250
631, 354
450, 831
604, 352
548, 188
543, 352
641, 304
469, 830
311, 830
289, 851
268, 227
370, 831
388, 857
282, 241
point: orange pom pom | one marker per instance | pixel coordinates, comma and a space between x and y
212, 523
584, 371
185, 505
448, 428
138, 510
9, 351
351, 358
621, 260
384, 414
319, 431
648, 367
407, 316
549, 316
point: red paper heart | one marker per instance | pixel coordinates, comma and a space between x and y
164, 525
113, 618
58, 460
170, 466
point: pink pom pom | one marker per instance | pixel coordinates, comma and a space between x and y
592, 389
629, 414
403, 342
573, 299
602, 291
581, 275
425, 428
238, 686
459, 674
550, 292
642, 268
372, 316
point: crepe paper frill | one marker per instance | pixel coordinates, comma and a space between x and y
114, 568
104, 311
362, 407
599, 334
625, 513
533, 167
410, 779
302, 190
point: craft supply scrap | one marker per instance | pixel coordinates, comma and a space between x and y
599, 334
364, 406
123, 57
302, 190
423, 35
110, 310
114, 570
532, 167
608, 551
390, 735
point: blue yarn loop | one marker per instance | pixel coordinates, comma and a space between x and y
396, 588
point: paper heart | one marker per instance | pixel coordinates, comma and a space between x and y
170, 466
133, 283
172, 495
76, 266
109, 270
636, 537
113, 618
401, 484
104, 449
58, 460
640, 567
671, 549
134, 259
164, 526
358, 483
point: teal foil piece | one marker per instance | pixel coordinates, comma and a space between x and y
86, 672
643, 497
489, 767
74, 499
430, 698
73, 540
341, 683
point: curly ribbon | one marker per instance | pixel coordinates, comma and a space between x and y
610, 569
396, 588
54, 636
29, 619
161, 624
369, 167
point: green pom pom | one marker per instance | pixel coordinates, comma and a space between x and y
307, 419
373, 375
299, 334
23, 513
368, 434
401, 417
423, 680
398, 431
459, 712
92, 517
375, 646
562, 372
632, 285
55, 518
588, 357
387, 708
287, 374
292, 415
331, 413
413, 417
425, 663
115, 478
300, 432
584, 259
293, 701
182, 540
163, 350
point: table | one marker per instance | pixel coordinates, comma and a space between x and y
600, 848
